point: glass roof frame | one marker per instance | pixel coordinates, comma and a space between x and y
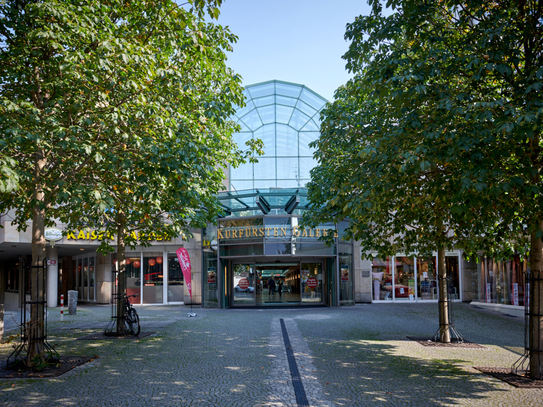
264, 200
286, 117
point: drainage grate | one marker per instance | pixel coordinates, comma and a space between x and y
299, 391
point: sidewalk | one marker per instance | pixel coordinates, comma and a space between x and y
349, 356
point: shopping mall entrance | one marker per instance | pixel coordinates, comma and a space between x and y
270, 284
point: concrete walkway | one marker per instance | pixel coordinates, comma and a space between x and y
349, 356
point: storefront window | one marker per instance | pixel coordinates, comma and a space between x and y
244, 284
153, 277
91, 278
427, 278
381, 273
12, 275
85, 279
404, 278
133, 278
405, 282
502, 282
175, 279
85, 276
451, 264
311, 279
210, 283
346, 291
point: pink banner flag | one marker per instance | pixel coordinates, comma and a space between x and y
184, 262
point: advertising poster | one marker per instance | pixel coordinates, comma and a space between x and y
211, 275
344, 272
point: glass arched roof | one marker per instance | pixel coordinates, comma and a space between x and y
285, 116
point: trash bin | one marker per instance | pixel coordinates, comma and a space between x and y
72, 302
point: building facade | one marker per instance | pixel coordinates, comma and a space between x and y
257, 240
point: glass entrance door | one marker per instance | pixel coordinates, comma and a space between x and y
244, 280
311, 279
278, 283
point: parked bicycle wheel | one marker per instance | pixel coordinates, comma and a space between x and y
133, 322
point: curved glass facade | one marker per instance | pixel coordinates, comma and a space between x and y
285, 116
258, 254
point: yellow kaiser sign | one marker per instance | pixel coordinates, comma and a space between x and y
101, 235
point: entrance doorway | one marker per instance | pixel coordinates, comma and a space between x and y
277, 283
280, 283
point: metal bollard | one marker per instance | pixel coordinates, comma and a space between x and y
62, 307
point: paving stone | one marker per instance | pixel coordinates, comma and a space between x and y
349, 356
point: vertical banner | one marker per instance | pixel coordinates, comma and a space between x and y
515, 293
184, 262
488, 295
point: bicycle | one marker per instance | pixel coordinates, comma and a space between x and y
131, 318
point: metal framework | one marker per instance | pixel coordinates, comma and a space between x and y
263, 201
286, 117
455, 335
19, 356
522, 366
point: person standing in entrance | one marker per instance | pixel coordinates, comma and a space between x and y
271, 286
279, 287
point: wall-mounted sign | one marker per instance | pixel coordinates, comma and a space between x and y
53, 234
101, 235
261, 231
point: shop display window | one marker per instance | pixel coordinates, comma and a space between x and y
427, 278
175, 279
405, 278
382, 279
153, 277
133, 277
503, 282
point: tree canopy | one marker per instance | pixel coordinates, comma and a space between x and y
435, 142
110, 107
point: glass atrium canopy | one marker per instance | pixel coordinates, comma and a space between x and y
264, 201
285, 116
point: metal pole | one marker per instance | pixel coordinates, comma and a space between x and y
62, 307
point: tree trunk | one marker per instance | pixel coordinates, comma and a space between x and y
536, 307
443, 302
444, 323
36, 327
121, 276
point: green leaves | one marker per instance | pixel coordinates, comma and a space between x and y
9, 180
441, 118
122, 109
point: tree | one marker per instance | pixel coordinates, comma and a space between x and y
385, 166
92, 90
446, 89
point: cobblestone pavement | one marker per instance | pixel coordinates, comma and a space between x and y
349, 356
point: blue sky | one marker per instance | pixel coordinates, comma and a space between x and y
298, 41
